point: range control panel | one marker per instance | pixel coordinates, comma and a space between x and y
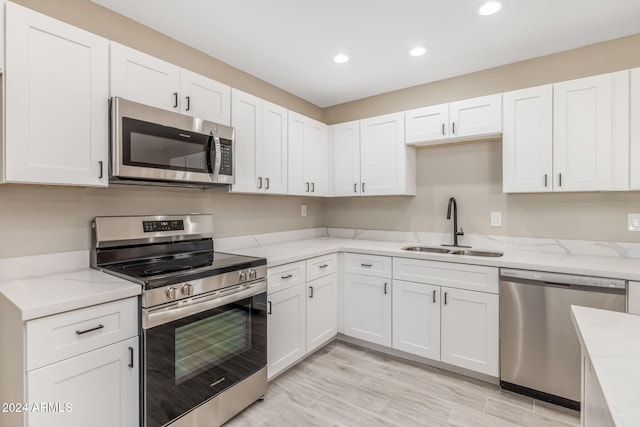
153, 226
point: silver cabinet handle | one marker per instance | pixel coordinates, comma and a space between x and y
445, 298
310, 291
366, 265
266, 183
363, 187
545, 180
101, 173
269, 307
559, 180
443, 129
89, 330
175, 99
355, 187
434, 296
313, 187
307, 187
453, 128
385, 288
260, 182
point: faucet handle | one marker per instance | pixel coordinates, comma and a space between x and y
460, 233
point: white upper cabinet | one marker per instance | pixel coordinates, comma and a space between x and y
584, 131
205, 98
570, 136
148, 80
527, 140
345, 156
456, 121
634, 149
143, 78
260, 145
56, 95
387, 166
308, 156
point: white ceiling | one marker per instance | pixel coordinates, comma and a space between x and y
290, 43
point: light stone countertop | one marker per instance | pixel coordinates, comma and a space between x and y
612, 341
589, 265
54, 293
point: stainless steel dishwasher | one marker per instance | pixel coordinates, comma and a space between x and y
539, 349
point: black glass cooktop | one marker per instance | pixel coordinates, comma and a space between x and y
163, 271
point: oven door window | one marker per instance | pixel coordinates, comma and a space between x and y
155, 146
190, 360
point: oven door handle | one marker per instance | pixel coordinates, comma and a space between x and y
152, 317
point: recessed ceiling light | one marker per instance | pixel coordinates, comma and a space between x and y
489, 8
340, 58
418, 51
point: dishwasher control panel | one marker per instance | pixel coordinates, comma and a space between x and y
562, 278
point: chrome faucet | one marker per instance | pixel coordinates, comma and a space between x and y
456, 233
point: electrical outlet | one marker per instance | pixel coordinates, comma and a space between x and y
303, 210
496, 219
633, 222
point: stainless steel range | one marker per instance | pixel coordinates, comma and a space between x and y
203, 316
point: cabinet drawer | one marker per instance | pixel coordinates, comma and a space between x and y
58, 337
321, 266
462, 276
285, 276
368, 265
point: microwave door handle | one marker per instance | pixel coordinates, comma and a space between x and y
213, 155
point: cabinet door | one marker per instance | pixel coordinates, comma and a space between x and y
322, 311
594, 408
633, 299
367, 308
345, 155
57, 91
383, 157
427, 124
476, 116
316, 155
100, 388
584, 133
469, 330
205, 98
246, 118
527, 140
416, 318
143, 78
634, 178
273, 151
297, 144
285, 328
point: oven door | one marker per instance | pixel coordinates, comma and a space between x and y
199, 347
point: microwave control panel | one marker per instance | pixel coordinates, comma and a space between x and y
226, 159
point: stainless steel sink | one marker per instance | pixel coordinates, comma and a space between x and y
426, 249
470, 252
476, 253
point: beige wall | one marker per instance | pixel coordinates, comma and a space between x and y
43, 219
615, 55
472, 173
99, 20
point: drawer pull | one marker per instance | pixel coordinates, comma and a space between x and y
366, 265
310, 291
324, 266
269, 307
385, 288
90, 330
288, 276
131, 357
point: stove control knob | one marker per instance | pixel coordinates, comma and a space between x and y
243, 276
171, 293
252, 274
187, 289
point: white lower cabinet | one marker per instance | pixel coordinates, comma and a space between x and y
416, 318
469, 330
98, 388
367, 308
594, 409
285, 328
633, 298
302, 307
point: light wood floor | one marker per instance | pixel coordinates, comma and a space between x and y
345, 385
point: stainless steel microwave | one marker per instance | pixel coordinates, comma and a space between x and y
154, 146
